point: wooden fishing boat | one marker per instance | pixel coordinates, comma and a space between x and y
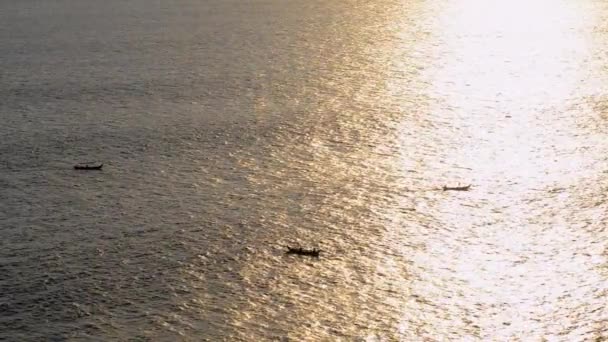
303, 251
88, 166
457, 188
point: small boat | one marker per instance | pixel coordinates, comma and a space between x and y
457, 188
88, 167
302, 251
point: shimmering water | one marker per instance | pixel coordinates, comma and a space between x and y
230, 129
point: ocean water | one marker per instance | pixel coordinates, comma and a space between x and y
229, 130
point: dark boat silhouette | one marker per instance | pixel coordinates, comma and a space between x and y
457, 188
88, 167
303, 251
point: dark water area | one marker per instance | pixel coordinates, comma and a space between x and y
232, 129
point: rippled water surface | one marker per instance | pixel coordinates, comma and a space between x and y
231, 129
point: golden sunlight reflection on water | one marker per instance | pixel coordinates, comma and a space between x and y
468, 92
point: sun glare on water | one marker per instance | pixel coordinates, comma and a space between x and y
503, 84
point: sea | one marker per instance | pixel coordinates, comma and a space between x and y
230, 130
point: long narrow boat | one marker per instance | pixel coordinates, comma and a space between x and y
88, 167
457, 188
302, 251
